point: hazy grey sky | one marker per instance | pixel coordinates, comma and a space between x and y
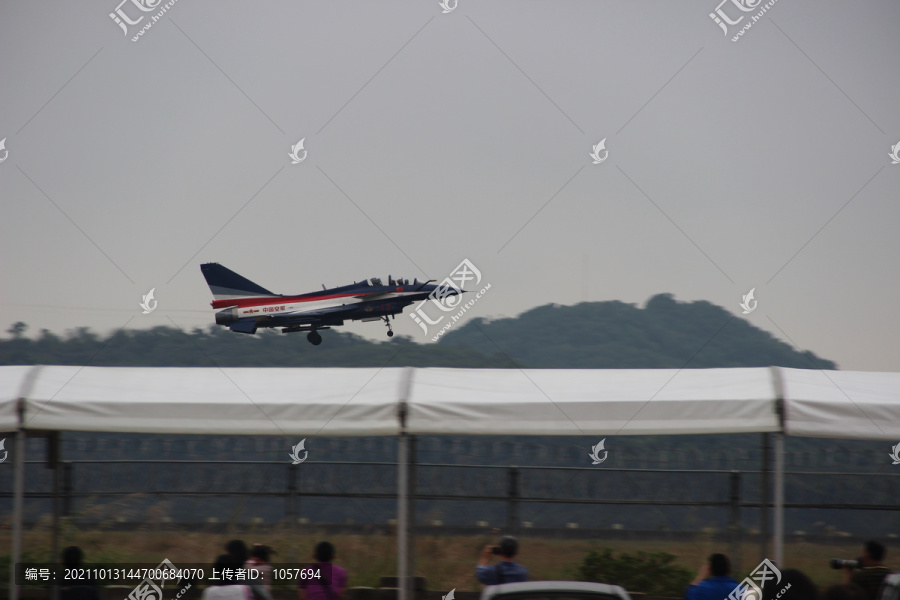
434, 137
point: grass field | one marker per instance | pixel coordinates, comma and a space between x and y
445, 562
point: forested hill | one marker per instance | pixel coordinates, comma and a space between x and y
615, 335
664, 334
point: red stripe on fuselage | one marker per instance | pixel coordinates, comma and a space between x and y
266, 300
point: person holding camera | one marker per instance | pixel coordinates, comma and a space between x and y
507, 570
868, 572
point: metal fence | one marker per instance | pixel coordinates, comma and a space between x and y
117, 493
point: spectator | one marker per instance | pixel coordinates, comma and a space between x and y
713, 580
77, 588
507, 570
794, 585
872, 571
845, 592
890, 587
311, 589
260, 560
227, 589
237, 549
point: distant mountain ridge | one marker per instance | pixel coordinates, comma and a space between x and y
591, 335
616, 335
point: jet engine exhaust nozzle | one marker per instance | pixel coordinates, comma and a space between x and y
223, 317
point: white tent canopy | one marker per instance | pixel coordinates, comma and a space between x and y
841, 404
339, 402
202, 400
407, 401
591, 402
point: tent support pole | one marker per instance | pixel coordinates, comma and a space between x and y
778, 533
402, 516
54, 452
764, 498
411, 517
18, 500
779, 499
403, 500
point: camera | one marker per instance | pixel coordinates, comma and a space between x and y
496, 550
840, 563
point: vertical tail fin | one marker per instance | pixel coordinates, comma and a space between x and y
225, 284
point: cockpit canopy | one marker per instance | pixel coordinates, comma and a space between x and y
376, 281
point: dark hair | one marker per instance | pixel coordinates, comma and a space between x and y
509, 546
237, 549
72, 557
719, 565
875, 550
324, 552
228, 561
260, 551
801, 587
845, 592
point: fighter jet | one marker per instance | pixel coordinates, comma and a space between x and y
244, 306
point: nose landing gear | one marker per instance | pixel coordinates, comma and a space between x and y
390, 332
314, 338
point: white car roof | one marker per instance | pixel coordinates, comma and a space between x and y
554, 586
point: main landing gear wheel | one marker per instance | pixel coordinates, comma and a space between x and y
390, 331
314, 338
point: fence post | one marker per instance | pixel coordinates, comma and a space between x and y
67, 489
512, 514
290, 505
735, 524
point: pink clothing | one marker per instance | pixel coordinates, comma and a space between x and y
334, 591
265, 570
